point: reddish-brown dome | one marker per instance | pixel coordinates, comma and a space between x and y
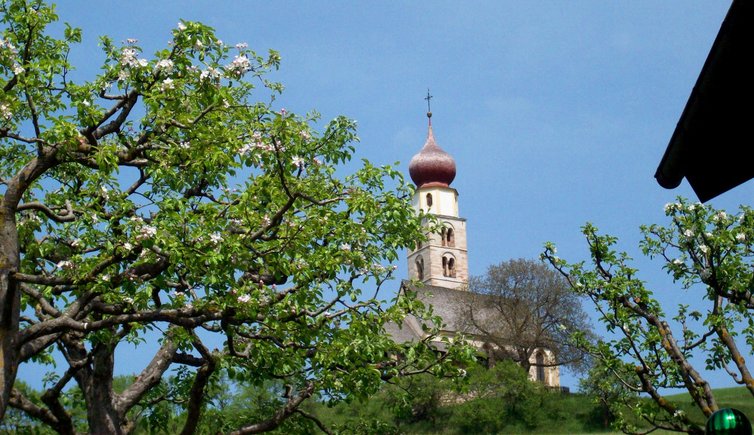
432, 166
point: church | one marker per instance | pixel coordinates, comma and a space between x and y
438, 268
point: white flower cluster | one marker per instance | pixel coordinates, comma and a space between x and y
216, 238
210, 74
244, 299
167, 84
5, 112
7, 45
297, 161
239, 66
256, 142
720, 216
128, 57
164, 65
65, 264
741, 237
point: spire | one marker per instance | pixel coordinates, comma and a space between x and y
432, 166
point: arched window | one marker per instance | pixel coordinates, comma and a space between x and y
449, 238
540, 366
420, 268
448, 266
429, 200
443, 235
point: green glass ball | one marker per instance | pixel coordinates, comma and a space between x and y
728, 421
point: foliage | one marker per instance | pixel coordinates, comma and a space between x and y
520, 307
709, 254
159, 201
497, 400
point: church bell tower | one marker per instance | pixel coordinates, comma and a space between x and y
442, 260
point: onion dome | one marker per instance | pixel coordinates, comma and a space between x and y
432, 166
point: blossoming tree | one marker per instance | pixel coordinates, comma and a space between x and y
709, 253
159, 202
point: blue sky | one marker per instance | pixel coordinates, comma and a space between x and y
557, 112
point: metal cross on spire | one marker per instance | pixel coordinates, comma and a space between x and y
429, 106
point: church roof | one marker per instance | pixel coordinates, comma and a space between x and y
449, 304
432, 166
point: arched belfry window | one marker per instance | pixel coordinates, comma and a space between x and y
420, 268
443, 236
449, 238
429, 200
540, 366
448, 266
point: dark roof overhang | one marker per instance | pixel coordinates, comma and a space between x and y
714, 134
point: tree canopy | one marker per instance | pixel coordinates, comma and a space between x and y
160, 201
656, 350
523, 306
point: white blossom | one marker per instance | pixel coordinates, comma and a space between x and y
215, 237
7, 45
131, 41
18, 69
298, 161
5, 111
142, 62
239, 65
741, 237
244, 299
146, 232
167, 84
128, 56
198, 45
266, 220
688, 233
106, 278
678, 262
65, 264
165, 65
181, 26
241, 45
345, 247
704, 248
128, 246
123, 75
210, 74
669, 207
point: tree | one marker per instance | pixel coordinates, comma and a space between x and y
159, 202
709, 254
520, 307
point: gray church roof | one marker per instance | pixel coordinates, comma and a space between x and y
449, 304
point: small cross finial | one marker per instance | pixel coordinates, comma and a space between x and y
429, 105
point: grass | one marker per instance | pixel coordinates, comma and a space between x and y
556, 414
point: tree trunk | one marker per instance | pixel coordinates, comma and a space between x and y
10, 300
101, 413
